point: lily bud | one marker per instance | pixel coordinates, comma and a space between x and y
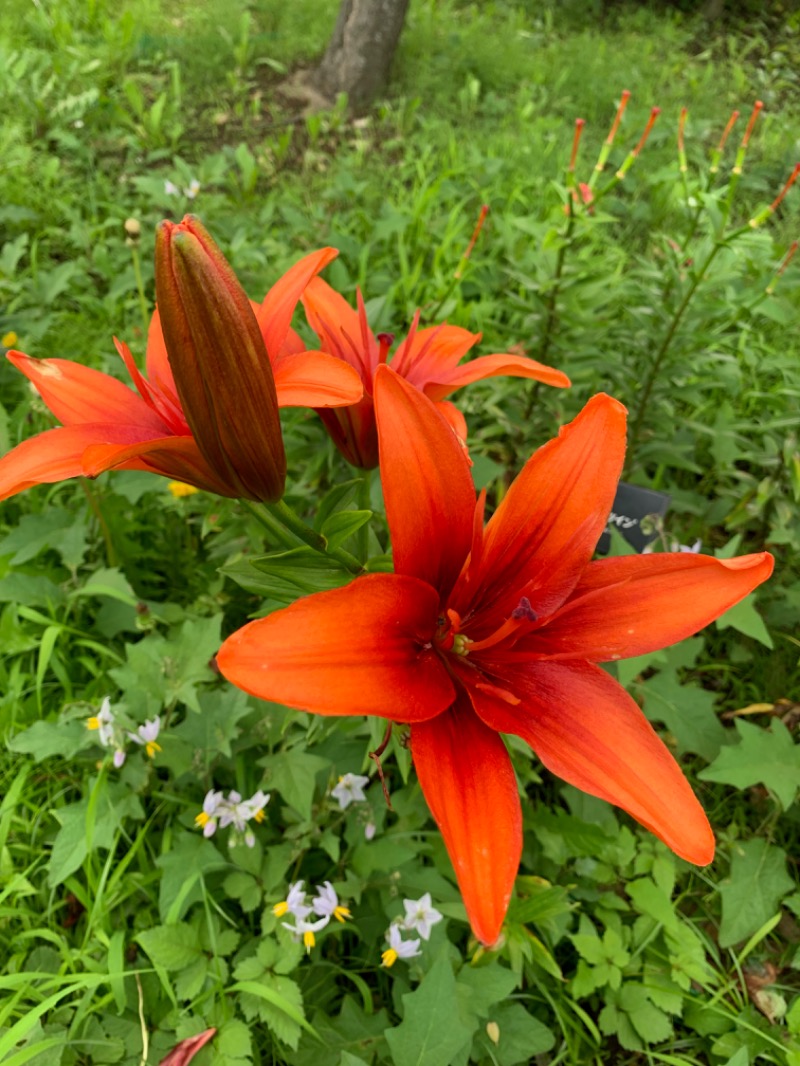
221, 368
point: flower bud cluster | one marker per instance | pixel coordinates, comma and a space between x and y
220, 812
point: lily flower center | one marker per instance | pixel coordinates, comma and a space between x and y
450, 638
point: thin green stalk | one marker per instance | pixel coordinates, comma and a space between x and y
364, 504
655, 366
137, 269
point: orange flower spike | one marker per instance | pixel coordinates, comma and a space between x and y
484, 631
219, 361
605, 151
716, 154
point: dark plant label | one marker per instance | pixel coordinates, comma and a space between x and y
636, 514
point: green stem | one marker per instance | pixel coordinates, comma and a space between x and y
111, 555
655, 366
137, 269
364, 504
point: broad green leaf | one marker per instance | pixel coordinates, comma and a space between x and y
431, 1032
42, 740
342, 525
480, 988
745, 618
763, 756
182, 867
171, 946
521, 1036
280, 1006
285, 575
294, 774
687, 711
752, 891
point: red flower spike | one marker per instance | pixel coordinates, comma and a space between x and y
576, 140
498, 630
623, 103
428, 358
484, 211
757, 108
654, 113
726, 132
183, 1053
107, 425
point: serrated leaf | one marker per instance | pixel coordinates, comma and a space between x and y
744, 617
688, 713
762, 756
431, 1032
280, 1006
753, 890
294, 774
45, 739
171, 946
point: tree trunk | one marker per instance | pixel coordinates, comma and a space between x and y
359, 54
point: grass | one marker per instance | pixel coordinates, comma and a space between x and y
122, 930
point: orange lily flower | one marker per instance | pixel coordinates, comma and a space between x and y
107, 425
428, 358
483, 631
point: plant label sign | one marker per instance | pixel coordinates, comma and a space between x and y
636, 514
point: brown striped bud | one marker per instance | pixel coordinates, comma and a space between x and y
222, 371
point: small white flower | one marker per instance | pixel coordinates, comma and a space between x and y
295, 903
398, 948
193, 190
327, 902
119, 757
207, 818
109, 733
420, 915
147, 736
693, 549
170, 188
305, 931
349, 789
369, 830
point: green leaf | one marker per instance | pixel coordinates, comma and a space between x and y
762, 756
480, 988
745, 618
171, 946
61, 530
752, 892
431, 1032
522, 1036
294, 774
42, 740
280, 1006
183, 867
688, 713
649, 899
285, 575
342, 525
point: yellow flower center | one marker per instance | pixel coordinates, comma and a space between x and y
340, 913
179, 489
259, 815
280, 909
309, 939
389, 957
202, 819
151, 748
93, 722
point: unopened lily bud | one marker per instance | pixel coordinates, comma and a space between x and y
222, 371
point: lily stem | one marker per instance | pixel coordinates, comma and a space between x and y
137, 270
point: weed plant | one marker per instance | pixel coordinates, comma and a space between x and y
123, 929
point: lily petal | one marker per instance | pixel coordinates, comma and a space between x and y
587, 730
489, 366
469, 784
362, 649
544, 532
159, 372
78, 394
637, 603
278, 305
315, 379
456, 419
57, 454
339, 327
177, 458
427, 486
432, 353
